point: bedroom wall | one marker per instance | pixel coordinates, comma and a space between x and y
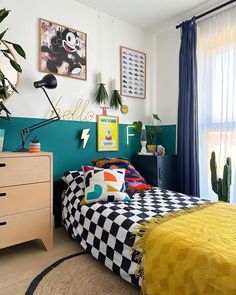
168, 45
23, 29
62, 138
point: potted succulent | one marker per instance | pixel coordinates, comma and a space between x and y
35, 146
150, 132
6, 86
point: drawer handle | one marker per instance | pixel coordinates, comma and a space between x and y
3, 165
3, 195
3, 223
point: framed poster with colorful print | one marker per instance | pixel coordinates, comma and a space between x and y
132, 73
107, 133
62, 50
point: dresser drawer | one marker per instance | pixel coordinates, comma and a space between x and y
23, 170
23, 227
23, 198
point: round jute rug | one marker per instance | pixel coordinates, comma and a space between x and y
79, 274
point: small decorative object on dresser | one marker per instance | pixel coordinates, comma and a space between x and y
26, 198
143, 140
161, 150
157, 170
35, 146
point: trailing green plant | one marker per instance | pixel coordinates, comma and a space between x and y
5, 83
151, 130
221, 186
35, 139
101, 95
116, 100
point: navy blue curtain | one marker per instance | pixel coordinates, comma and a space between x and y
187, 143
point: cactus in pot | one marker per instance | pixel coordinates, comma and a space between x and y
35, 146
221, 186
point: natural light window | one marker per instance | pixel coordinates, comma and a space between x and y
217, 97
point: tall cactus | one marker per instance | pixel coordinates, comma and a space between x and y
221, 186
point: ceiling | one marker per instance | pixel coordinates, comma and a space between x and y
147, 14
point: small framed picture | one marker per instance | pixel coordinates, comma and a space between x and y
2, 132
62, 50
132, 73
107, 133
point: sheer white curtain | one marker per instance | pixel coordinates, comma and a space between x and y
217, 96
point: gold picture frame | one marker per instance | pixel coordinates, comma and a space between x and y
62, 50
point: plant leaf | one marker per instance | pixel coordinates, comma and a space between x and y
2, 34
2, 77
3, 14
12, 86
7, 56
16, 66
155, 116
19, 50
5, 50
101, 95
137, 125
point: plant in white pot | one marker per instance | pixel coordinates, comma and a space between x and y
149, 132
35, 146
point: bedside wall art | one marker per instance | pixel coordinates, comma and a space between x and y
62, 51
132, 73
107, 133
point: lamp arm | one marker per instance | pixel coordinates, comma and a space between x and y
54, 109
25, 132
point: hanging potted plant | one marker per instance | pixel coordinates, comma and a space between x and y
6, 86
35, 146
101, 95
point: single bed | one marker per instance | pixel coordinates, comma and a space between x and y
106, 229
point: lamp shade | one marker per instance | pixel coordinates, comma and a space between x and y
49, 81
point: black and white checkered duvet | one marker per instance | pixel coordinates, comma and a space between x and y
105, 230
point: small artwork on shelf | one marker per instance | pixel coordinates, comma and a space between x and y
132, 73
62, 51
107, 133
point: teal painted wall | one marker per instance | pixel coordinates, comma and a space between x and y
63, 139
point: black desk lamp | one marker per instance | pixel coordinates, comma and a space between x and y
50, 82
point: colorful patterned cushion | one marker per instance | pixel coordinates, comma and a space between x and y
133, 180
104, 185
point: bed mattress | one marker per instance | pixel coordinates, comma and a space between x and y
106, 229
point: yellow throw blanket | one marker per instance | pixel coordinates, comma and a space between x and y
193, 254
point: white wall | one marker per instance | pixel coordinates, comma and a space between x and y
23, 29
168, 43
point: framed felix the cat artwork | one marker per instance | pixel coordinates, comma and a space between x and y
62, 50
132, 73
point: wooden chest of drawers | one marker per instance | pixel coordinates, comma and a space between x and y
26, 198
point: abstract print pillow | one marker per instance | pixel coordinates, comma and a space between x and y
104, 185
133, 180
75, 181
